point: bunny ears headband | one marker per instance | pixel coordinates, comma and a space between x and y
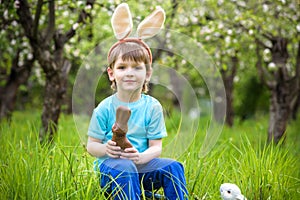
122, 26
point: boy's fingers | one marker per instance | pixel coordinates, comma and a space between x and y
110, 142
114, 154
130, 150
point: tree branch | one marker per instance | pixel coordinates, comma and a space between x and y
83, 15
259, 42
298, 63
295, 81
262, 72
162, 42
269, 36
51, 24
25, 19
37, 18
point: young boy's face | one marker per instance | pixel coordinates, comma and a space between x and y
129, 75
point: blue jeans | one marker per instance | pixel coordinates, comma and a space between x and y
124, 180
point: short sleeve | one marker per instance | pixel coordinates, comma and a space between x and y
156, 127
98, 124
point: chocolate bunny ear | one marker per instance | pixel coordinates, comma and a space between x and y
122, 21
152, 24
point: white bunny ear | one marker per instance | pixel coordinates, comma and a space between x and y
152, 24
121, 21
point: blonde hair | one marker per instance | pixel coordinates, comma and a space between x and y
133, 51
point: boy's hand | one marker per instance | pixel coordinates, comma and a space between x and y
112, 150
131, 154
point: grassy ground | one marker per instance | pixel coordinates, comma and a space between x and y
64, 170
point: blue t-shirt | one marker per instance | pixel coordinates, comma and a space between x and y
145, 123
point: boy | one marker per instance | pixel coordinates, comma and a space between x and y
124, 173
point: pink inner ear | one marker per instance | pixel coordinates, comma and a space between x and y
122, 21
152, 24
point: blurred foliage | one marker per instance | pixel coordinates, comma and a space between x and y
223, 28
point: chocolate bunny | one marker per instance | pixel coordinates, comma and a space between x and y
120, 127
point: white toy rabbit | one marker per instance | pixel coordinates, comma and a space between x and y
230, 191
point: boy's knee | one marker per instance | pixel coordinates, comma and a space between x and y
126, 166
122, 165
176, 165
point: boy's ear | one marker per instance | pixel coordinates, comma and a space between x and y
110, 74
148, 74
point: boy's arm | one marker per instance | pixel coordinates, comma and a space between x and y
154, 151
96, 148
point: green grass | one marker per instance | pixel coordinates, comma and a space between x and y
64, 170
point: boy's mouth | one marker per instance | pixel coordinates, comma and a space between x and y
129, 81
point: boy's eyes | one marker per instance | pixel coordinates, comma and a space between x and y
121, 67
139, 67
124, 67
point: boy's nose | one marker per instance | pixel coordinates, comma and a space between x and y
129, 71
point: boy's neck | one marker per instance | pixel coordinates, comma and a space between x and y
128, 98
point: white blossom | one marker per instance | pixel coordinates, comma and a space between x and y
217, 34
61, 26
236, 79
271, 66
207, 38
242, 3
75, 26
29, 56
67, 48
87, 66
194, 113
65, 13
220, 25
265, 8
227, 39
298, 27
17, 4
194, 19
79, 3
5, 14
76, 52
14, 23
20, 62
267, 55
220, 2
88, 7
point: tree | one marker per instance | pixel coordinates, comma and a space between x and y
225, 44
271, 25
47, 41
16, 60
275, 29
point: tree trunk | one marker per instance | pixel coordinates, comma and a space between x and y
279, 115
48, 48
55, 93
296, 105
18, 76
228, 78
281, 95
